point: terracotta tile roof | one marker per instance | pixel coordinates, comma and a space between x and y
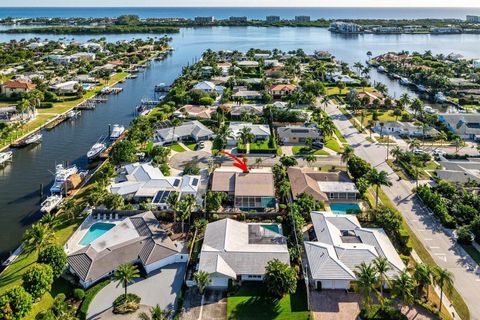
17, 84
116, 62
283, 87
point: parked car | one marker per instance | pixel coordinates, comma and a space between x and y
200, 145
418, 151
318, 145
438, 152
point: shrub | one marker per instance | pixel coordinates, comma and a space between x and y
79, 294
280, 278
38, 280
45, 105
15, 304
378, 312
55, 257
126, 304
464, 235
89, 295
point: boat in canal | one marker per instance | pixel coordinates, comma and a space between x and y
51, 203
61, 175
96, 150
72, 114
405, 81
5, 157
117, 131
35, 138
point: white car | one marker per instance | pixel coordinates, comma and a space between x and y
418, 151
438, 152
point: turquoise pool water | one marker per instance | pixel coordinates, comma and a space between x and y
95, 231
272, 227
342, 208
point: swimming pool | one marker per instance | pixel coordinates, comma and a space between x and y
342, 208
272, 227
86, 86
95, 231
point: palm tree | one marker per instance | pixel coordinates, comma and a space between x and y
126, 274
38, 236
202, 279
309, 158
245, 135
366, 282
284, 189
347, 153
396, 152
414, 144
156, 313
442, 137
175, 123
405, 99
172, 202
422, 274
444, 279
48, 220
224, 132
382, 266
457, 142
403, 287
186, 206
378, 179
325, 100
258, 162
327, 126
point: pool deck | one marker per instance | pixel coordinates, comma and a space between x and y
73, 244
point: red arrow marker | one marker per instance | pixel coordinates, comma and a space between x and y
239, 163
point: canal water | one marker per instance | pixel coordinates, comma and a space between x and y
69, 142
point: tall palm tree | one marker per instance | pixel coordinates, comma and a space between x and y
414, 144
284, 189
38, 236
202, 279
325, 100
422, 274
224, 132
442, 137
172, 202
126, 274
382, 266
245, 135
347, 153
156, 313
444, 279
367, 280
403, 287
327, 126
396, 152
187, 205
378, 179
175, 123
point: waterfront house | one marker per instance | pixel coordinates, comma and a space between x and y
144, 182
260, 131
248, 63
250, 109
238, 251
65, 87
323, 186
15, 87
91, 46
138, 239
338, 76
86, 56
254, 190
297, 134
192, 130
466, 125
367, 96
208, 86
279, 91
339, 244
344, 27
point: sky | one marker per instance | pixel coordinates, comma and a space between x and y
240, 3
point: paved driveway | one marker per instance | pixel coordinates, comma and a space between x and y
161, 287
214, 306
442, 248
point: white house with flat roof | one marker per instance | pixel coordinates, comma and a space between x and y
143, 181
260, 131
341, 244
240, 251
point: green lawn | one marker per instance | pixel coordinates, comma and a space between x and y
302, 150
192, 146
383, 115
177, 148
340, 136
252, 301
332, 143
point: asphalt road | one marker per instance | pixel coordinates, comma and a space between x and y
436, 240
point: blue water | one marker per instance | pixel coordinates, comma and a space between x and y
272, 227
342, 208
95, 231
251, 13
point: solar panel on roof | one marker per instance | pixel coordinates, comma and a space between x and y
176, 183
194, 182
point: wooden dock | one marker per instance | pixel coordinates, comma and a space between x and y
55, 122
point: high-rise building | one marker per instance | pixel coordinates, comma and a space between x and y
273, 18
302, 18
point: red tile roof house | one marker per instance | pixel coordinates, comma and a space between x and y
197, 112
280, 90
16, 86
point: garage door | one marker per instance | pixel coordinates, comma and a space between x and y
219, 282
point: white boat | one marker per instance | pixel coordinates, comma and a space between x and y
405, 81
5, 157
37, 137
429, 109
117, 131
61, 175
382, 69
51, 203
96, 150
72, 114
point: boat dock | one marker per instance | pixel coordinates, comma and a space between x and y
23, 142
87, 105
111, 90
5, 157
55, 122
104, 154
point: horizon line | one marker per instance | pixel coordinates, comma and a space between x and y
246, 7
